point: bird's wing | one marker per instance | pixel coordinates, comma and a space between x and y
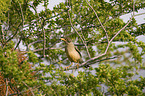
78, 51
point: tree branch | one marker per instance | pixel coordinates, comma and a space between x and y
18, 43
90, 63
13, 35
94, 58
38, 41
99, 20
40, 48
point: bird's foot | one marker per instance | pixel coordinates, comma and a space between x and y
67, 67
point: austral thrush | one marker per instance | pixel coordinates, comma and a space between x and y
72, 52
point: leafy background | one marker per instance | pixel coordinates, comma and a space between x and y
26, 30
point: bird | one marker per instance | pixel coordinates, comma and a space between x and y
72, 52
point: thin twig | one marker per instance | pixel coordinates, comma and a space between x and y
78, 34
99, 20
21, 14
28, 88
2, 37
85, 45
18, 43
44, 42
121, 29
42, 48
7, 87
83, 37
38, 41
23, 91
2, 33
49, 48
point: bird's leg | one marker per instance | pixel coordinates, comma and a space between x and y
77, 65
68, 66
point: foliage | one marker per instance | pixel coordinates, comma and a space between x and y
39, 69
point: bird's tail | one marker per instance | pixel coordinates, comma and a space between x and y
81, 61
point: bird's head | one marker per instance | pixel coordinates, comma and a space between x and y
66, 40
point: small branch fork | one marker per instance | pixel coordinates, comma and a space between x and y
98, 20
29, 88
109, 41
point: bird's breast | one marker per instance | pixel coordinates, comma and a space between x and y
72, 54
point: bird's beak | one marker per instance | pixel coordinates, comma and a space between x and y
63, 39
